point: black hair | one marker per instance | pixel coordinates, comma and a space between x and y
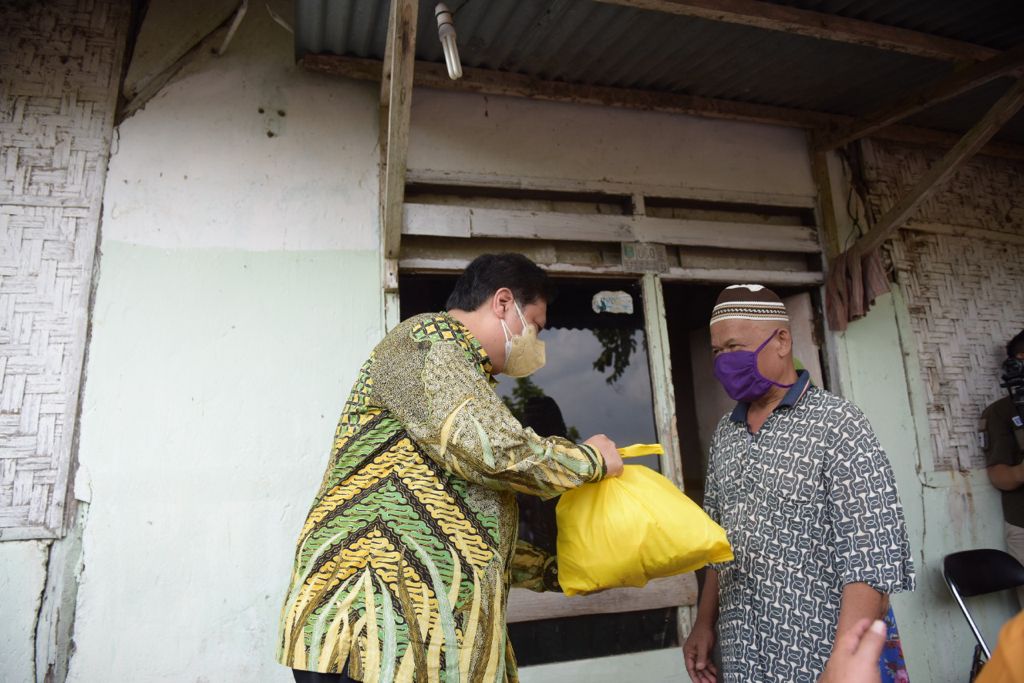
1015, 345
490, 272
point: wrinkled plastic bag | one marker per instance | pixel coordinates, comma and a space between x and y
627, 530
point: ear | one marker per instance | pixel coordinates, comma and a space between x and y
502, 301
785, 339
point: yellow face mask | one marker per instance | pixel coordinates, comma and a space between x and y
524, 353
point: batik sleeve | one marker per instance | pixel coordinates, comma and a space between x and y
871, 541
454, 415
534, 568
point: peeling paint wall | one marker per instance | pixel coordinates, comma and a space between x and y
881, 361
239, 291
22, 578
59, 67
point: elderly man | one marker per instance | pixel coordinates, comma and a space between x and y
403, 565
806, 494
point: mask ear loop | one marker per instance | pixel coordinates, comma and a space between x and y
522, 318
765, 342
758, 371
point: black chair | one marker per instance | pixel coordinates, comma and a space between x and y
978, 572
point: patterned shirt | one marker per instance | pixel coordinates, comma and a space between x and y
403, 565
810, 505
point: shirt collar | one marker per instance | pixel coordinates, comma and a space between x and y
803, 378
475, 347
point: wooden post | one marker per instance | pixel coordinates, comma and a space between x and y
663, 390
1001, 112
826, 204
656, 329
395, 109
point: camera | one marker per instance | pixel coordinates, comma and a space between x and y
1013, 380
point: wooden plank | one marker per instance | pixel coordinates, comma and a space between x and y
961, 231
727, 235
955, 84
734, 275
396, 87
489, 82
638, 204
793, 278
486, 82
450, 221
437, 220
467, 179
524, 605
392, 303
774, 17
458, 264
1001, 112
662, 389
826, 205
651, 666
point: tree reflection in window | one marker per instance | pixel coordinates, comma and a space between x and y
617, 347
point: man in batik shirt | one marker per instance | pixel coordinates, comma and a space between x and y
405, 560
807, 496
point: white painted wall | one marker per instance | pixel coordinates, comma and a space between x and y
238, 295
946, 512
22, 578
467, 133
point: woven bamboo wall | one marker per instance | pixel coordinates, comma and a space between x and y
60, 64
965, 293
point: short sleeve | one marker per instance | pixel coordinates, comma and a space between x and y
1001, 444
869, 530
712, 501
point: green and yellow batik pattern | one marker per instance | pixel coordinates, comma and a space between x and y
403, 565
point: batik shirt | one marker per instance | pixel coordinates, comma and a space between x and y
403, 565
810, 505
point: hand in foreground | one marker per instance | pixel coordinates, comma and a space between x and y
697, 654
855, 655
606, 447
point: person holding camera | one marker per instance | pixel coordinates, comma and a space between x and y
1002, 439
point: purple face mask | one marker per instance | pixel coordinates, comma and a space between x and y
738, 373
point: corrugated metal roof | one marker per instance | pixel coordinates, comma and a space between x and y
581, 41
993, 23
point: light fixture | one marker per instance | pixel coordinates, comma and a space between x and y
446, 32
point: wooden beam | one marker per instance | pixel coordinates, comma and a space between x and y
774, 17
524, 605
724, 276
487, 82
1001, 112
614, 190
396, 75
957, 83
826, 205
443, 220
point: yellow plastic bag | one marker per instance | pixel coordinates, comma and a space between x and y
627, 530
